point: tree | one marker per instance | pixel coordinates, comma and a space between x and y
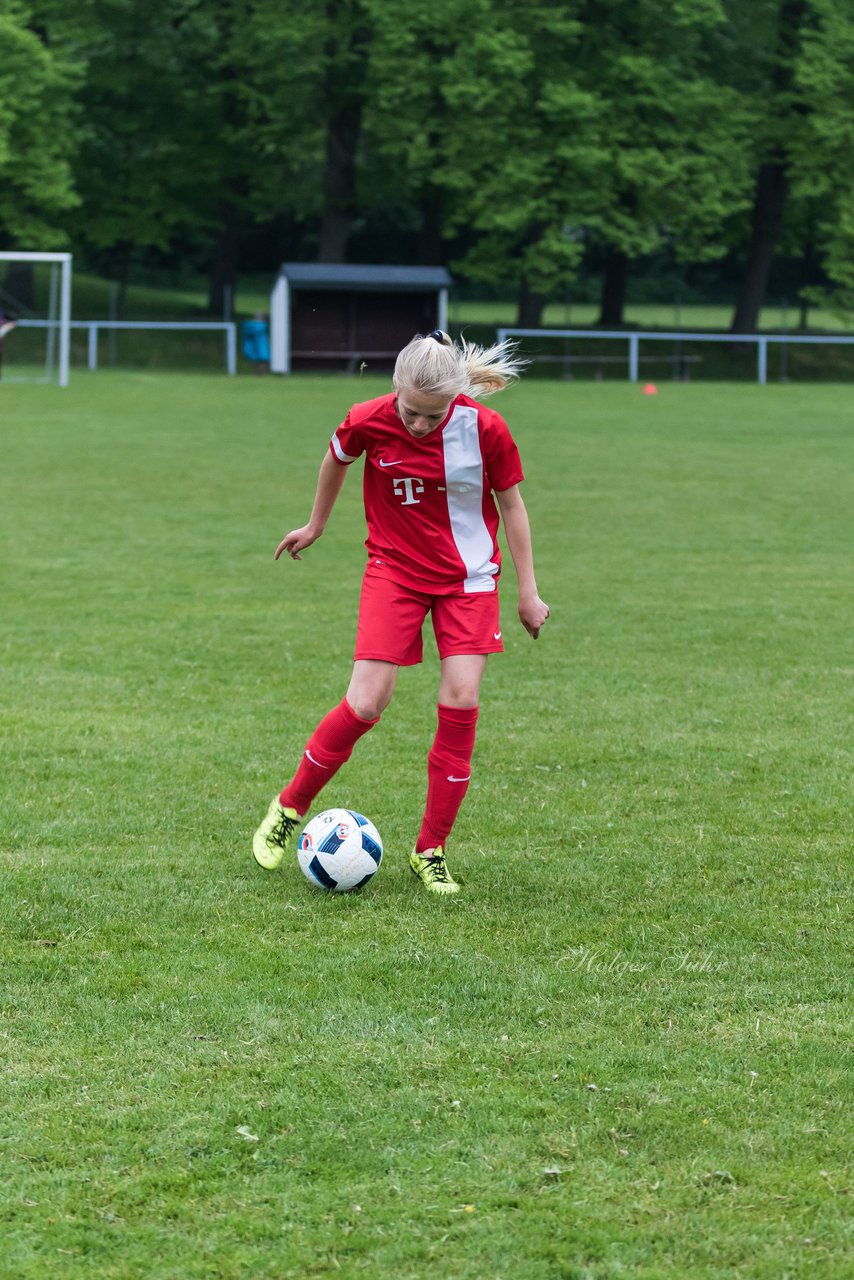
37, 120
266, 70
305, 84
404, 120
822, 180
675, 166
347, 38
148, 164
521, 146
778, 111
591, 124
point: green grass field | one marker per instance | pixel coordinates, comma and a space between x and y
621, 1052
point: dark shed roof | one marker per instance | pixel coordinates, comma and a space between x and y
364, 276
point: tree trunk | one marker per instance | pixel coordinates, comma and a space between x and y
614, 284
339, 183
120, 260
529, 313
430, 244
772, 184
225, 257
772, 187
808, 275
344, 93
225, 261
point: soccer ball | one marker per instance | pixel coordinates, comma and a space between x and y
339, 850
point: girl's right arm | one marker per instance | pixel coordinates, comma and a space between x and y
329, 484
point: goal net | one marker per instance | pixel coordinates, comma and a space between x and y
35, 317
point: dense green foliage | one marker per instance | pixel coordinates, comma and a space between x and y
621, 1051
39, 95
519, 146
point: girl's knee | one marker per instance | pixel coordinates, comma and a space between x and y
371, 689
459, 697
459, 685
368, 706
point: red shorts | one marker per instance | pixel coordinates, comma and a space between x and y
391, 617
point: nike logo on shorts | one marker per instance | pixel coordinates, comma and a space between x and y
396, 463
496, 635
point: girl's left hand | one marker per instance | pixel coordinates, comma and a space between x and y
533, 613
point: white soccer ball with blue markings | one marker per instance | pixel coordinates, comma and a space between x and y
339, 850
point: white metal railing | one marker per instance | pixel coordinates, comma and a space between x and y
228, 327
760, 340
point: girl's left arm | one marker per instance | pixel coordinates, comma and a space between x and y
533, 612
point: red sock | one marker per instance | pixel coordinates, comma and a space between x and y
330, 746
448, 774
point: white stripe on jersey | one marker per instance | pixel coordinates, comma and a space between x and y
339, 452
464, 480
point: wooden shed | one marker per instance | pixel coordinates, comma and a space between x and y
326, 316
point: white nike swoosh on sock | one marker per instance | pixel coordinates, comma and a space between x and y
468, 779
317, 762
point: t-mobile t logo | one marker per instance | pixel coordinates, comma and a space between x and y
408, 487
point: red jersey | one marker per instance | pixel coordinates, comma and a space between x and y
432, 520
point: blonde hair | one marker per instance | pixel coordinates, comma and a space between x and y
436, 365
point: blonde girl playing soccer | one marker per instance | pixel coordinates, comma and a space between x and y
434, 458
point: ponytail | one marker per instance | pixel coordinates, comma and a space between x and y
436, 365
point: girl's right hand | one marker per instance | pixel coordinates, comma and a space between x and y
295, 541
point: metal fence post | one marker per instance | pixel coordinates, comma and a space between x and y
93, 347
633, 357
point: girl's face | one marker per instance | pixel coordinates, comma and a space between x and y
421, 412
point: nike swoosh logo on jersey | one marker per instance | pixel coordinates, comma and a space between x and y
468, 779
396, 463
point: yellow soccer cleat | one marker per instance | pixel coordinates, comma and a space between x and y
271, 839
432, 870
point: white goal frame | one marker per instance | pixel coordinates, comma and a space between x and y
63, 323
